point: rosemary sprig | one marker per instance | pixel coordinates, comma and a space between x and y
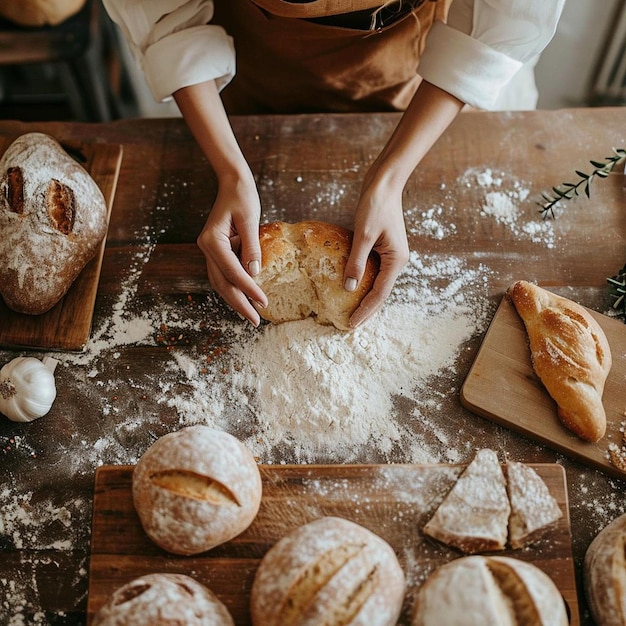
617, 291
567, 191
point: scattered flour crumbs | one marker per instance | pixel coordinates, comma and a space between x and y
300, 392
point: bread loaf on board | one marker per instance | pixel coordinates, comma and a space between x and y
302, 273
605, 574
196, 488
329, 571
53, 218
570, 354
163, 600
489, 591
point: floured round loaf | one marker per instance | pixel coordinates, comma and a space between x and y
605, 574
163, 600
302, 273
53, 218
489, 591
330, 571
196, 488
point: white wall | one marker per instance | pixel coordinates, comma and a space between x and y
567, 66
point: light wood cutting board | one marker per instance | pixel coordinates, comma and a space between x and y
502, 386
67, 325
394, 501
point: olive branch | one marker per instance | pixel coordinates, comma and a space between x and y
567, 191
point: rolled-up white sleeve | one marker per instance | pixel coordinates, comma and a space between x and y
174, 42
484, 44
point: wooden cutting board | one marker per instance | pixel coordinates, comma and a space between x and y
67, 325
502, 386
394, 501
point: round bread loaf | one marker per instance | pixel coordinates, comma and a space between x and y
196, 488
163, 600
605, 574
53, 218
330, 571
489, 591
302, 273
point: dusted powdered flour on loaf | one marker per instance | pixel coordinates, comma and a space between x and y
53, 218
196, 488
570, 354
605, 574
474, 515
302, 273
330, 571
533, 508
489, 591
163, 600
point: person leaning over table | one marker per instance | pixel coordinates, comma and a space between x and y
329, 56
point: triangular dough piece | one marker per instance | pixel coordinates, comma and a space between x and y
533, 508
474, 516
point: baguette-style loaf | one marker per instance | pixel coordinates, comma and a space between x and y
330, 571
605, 574
302, 273
196, 488
569, 353
53, 218
473, 516
533, 508
489, 591
163, 600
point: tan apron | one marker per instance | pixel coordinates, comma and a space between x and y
289, 62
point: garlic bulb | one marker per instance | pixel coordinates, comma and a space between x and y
27, 388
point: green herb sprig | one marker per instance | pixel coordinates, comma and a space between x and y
567, 191
617, 291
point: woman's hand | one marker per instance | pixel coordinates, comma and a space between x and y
230, 243
233, 224
378, 226
379, 222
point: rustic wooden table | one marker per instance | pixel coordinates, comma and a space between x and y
471, 206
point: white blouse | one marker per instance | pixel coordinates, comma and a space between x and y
473, 56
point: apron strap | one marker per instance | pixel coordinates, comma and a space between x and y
316, 8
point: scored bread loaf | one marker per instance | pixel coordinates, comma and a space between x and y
196, 488
604, 574
53, 218
569, 353
533, 508
330, 571
163, 600
489, 591
302, 273
473, 516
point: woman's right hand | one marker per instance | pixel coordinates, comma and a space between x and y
230, 243
230, 237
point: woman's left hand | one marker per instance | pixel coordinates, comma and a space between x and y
378, 226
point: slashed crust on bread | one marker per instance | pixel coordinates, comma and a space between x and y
474, 516
489, 591
569, 353
302, 273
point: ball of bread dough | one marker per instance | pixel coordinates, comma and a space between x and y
196, 488
489, 591
329, 571
163, 600
302, 273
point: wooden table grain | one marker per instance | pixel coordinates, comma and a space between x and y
307, 167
